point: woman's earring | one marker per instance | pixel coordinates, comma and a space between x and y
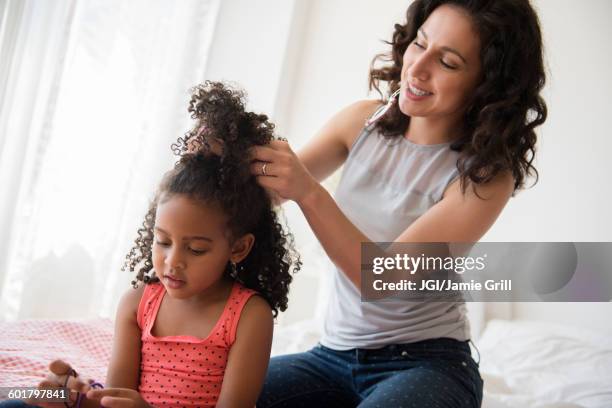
380, 112
233, 269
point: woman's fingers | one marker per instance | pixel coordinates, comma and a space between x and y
260, 168
279, 170
270, 151
263, 153
272, 184
266, 159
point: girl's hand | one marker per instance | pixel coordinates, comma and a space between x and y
61, 374
118, 398
279, 170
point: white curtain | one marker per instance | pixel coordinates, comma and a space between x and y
92, 94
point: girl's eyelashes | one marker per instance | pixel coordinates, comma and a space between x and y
418, 45
192, 250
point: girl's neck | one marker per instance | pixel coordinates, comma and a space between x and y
217, 292
431, 130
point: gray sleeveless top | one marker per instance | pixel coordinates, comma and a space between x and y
385, 186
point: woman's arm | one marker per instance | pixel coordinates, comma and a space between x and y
249, 356
456, 218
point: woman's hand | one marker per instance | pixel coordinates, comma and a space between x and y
279, 170
60, 375
118, 398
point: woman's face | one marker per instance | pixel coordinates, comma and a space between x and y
441, 67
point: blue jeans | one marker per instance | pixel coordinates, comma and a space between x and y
14, 404
427, 374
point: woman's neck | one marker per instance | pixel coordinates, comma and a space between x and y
431, 130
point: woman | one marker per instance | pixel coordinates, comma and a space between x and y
438, 166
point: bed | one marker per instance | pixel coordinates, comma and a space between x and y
537, 363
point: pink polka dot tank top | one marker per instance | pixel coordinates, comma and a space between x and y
185, 371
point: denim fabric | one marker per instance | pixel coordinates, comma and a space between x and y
15, 404
431, 373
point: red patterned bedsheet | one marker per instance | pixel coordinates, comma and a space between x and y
28, 346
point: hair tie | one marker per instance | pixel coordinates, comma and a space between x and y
201, 130
71, 373
82, 396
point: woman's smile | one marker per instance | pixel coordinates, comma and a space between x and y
416, 94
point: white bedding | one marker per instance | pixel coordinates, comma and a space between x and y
535, 364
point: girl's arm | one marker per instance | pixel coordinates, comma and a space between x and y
249, 356
123, 375
124, 367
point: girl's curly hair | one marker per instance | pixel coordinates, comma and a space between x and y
213, 167
506, 106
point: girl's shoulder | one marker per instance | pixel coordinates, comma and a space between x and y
131, 298
243, 299
247, 308
239, 290
129, 303
256, 314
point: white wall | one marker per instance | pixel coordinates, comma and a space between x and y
250, 46
572, 200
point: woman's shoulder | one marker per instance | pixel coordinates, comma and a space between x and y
349, 122
364, 108
356, 114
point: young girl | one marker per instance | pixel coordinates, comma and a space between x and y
212, 268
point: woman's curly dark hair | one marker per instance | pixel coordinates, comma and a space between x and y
213, 167
506, 106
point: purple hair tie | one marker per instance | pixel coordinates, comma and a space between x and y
201, 130
82, 396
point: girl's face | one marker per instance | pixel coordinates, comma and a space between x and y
192, 247
441, 67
